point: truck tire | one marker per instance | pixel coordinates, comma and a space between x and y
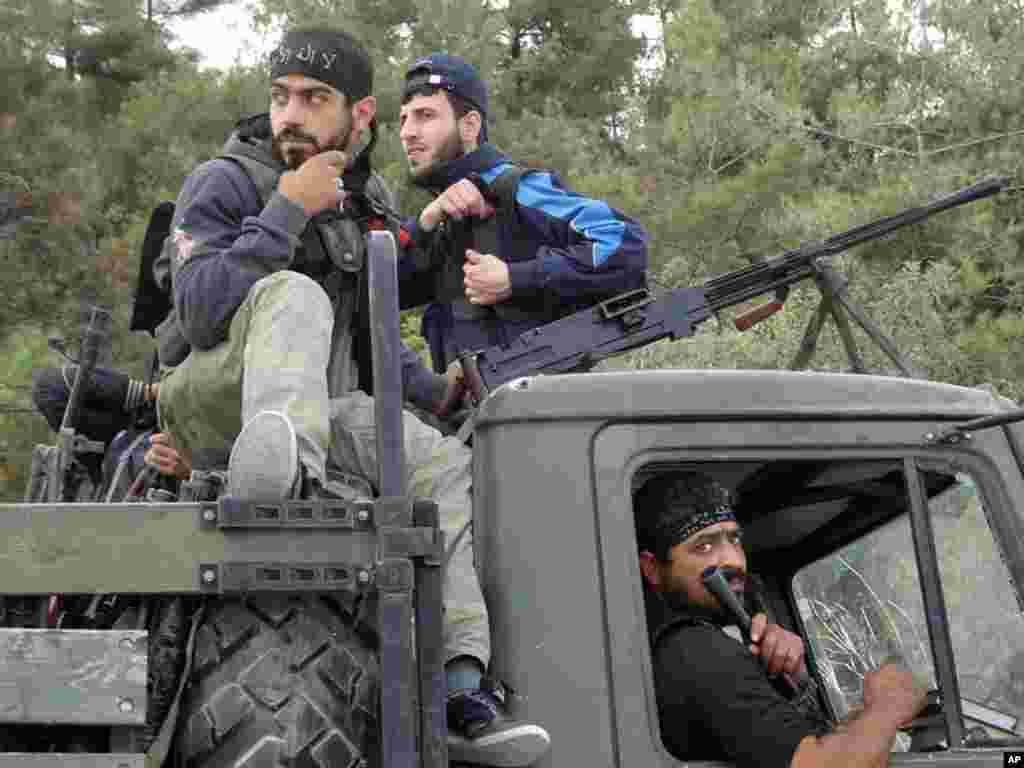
289, 680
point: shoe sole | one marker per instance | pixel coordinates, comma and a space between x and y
264, 460
513, 748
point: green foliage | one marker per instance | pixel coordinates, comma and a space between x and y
757, 125
148, 156
581, 51
916, 306
409, 327
20, 427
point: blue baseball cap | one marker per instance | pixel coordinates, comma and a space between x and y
453, 74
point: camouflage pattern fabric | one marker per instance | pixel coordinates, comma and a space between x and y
281, 338
438, 468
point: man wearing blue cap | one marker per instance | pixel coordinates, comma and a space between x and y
523, 252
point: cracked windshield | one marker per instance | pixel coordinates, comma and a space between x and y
863, 606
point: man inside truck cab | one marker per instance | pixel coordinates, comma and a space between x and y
719, 698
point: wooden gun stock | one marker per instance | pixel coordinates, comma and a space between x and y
752, 317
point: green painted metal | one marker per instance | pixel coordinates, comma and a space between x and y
76, 676
145, 548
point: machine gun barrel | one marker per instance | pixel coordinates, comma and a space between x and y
637, 318
736, 287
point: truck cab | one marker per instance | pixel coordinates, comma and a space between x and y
883, 515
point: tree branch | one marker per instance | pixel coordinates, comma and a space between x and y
832, 135
974, 142
735, 160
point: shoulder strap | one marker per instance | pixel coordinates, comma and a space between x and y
378, 191
502, 192
505, 186
374, 206
263, 176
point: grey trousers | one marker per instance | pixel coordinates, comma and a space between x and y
276, 358
438, 468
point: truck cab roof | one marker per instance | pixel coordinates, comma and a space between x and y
730, 393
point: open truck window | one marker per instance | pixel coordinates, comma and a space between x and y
862, 605
834, 546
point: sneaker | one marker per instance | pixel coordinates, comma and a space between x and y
264, 461
480, 732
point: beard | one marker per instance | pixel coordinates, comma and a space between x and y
739, 585
305, 145
705, 604
451, 149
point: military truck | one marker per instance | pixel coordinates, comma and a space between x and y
883, 515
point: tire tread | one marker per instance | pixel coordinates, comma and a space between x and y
280, 680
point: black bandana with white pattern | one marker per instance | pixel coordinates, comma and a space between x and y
330, 56
672, 507
675, 530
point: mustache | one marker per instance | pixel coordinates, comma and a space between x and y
289, 134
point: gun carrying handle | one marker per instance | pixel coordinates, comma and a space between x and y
471, 375
752, 317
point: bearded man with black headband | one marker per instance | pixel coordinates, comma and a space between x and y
266, 356
721, 699
266, 268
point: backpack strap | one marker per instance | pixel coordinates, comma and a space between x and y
502, 193
264, 177
312, 257
482, 236
504, 188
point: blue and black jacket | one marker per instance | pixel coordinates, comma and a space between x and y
565, 252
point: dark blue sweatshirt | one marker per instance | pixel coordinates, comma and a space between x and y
571, 249
226, 240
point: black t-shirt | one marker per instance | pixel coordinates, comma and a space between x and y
716, 702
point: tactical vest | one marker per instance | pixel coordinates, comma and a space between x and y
482, 236
332, 251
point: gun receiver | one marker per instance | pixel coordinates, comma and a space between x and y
637, 318
70, 444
